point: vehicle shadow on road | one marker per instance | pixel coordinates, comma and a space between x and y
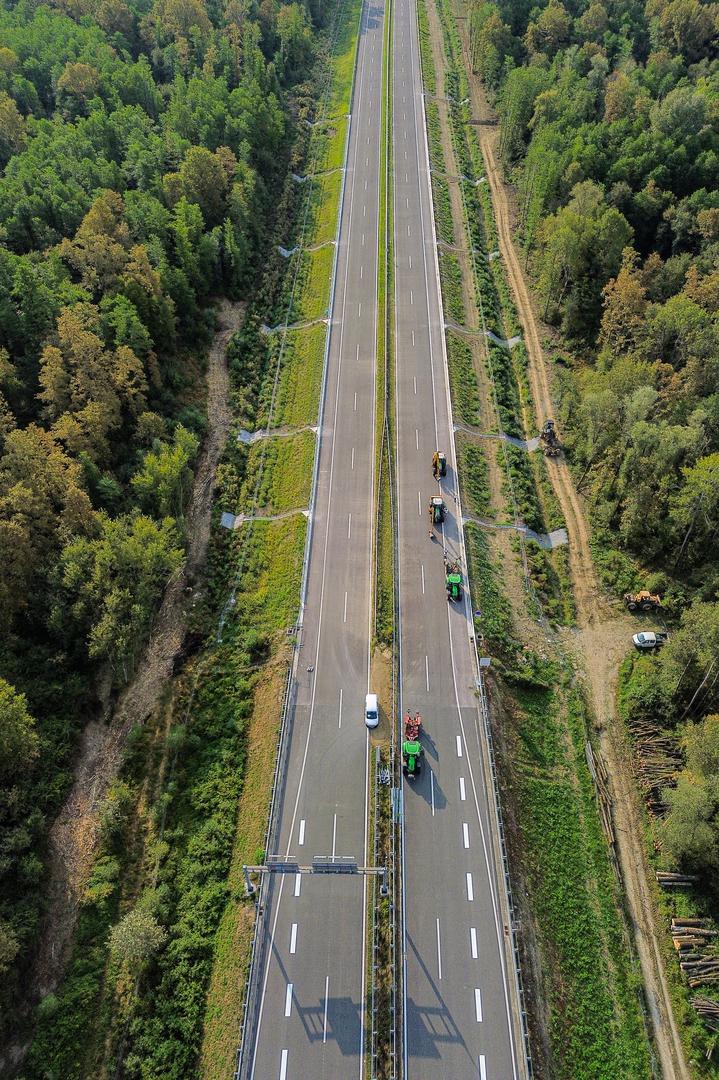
423, 785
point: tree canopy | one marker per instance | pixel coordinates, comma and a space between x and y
144, 147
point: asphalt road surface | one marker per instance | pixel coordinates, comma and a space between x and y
311, 1022
460, 998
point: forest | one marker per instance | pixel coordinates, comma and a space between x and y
142, 150
608, 120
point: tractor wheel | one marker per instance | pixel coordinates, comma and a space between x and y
632, 606
647, 606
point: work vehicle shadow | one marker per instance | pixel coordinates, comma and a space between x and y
428, 1024
430, 747
335, 1019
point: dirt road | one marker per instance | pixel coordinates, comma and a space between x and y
603, 634
73, 837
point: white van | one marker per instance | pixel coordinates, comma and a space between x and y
371, 711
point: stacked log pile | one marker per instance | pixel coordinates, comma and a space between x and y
709, 1012
657, 760
691, 938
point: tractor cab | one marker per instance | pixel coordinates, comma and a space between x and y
437, 510
453, 584
439, 464
411, 759
452, 580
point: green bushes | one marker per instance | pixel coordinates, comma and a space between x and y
462, 381
495, 626
575, 894
474, 476
451, 277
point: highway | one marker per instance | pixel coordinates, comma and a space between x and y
460, 1012
459, 1006
310, 1021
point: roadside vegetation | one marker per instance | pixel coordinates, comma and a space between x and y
585, 1000
140, 160
670, 704
163, 917
607, 129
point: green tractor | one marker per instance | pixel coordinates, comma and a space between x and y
453, 581
412, 750
412, 759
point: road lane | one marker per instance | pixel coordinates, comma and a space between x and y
460, 1019
310, 1021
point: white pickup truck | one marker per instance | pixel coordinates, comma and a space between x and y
650, 639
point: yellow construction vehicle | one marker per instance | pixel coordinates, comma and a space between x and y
439, 464
644, 601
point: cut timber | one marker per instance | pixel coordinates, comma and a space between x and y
667, 879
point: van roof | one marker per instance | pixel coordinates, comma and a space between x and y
371, 699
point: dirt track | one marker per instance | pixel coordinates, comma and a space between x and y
73, 836
603, 634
